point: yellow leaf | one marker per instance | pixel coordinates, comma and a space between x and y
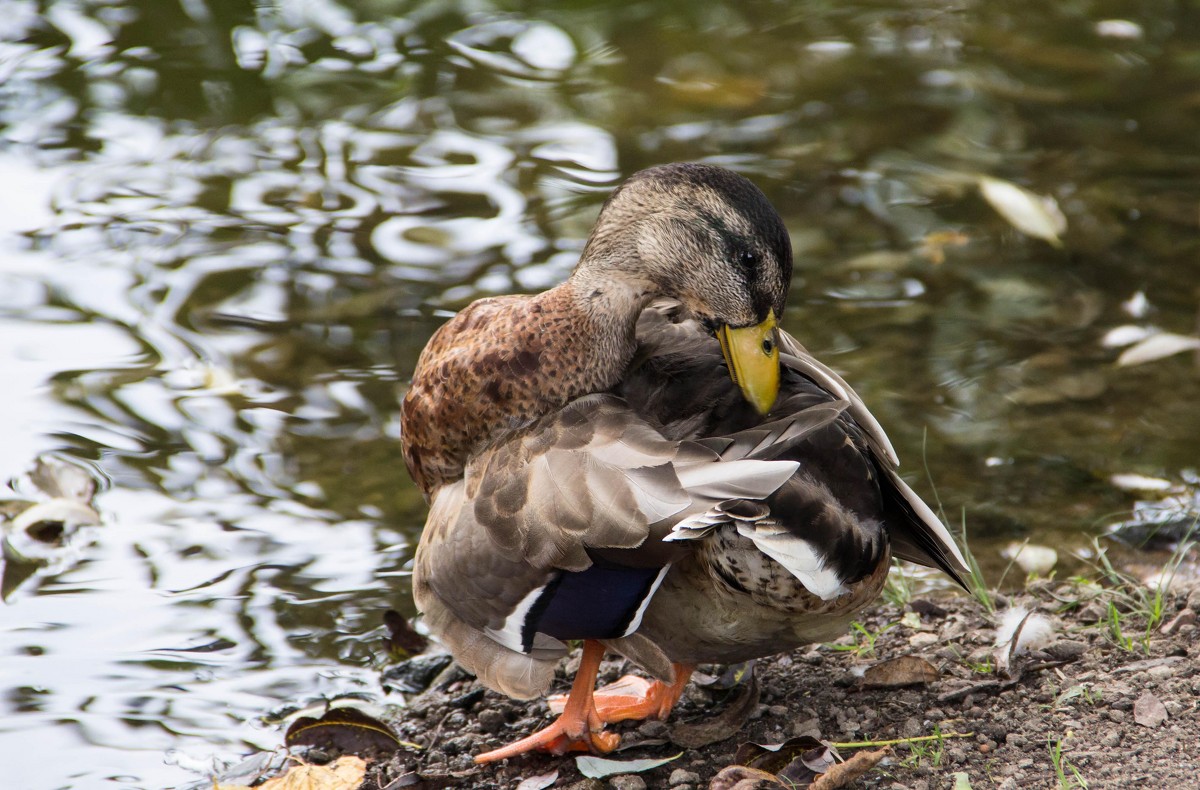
934, 245
344, 773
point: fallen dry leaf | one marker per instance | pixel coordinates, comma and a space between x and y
843, 774
1149, 711
724, 725
897, 672
602, 767
815, 753
742, 777
344, 773
540, 782
808, 767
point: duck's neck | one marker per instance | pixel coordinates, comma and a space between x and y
608, 307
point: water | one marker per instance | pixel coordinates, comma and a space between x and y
227, 230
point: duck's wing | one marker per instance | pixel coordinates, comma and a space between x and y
915, 531
553, 534
848, 464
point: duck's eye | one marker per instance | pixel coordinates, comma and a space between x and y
768, 345
748, 258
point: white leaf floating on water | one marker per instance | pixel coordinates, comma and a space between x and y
1137, 305
600, 767
1034, 215
71, 513
1158, 346
1129, 481
1127, 335
1119, 28
1031, 558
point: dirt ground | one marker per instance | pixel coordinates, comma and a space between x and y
1114, 707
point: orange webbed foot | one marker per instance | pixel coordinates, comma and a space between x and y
556, 739
578, 728
632, 697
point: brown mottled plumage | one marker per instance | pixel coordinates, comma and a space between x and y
594, 473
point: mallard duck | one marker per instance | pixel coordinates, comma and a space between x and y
640, 458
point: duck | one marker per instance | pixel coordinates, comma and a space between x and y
641, 459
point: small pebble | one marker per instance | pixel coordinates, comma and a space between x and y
809, 727
653, 729
1161, 672
491, 720
627, 782
1009, 783
1111, 739
1016, 740
1067, 649
1186, 617
682, 776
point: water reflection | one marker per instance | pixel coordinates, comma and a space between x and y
229, 231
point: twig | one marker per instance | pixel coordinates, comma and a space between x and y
893, 742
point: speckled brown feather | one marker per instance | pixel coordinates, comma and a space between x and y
494, 368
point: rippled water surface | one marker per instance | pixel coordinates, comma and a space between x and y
226, 230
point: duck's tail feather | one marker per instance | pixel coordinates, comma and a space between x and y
919, 535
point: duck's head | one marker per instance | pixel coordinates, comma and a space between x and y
709, 238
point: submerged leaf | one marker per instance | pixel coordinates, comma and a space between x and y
61, 479
403, 641
1034, 215
59, 515
601, 767
1159, 346
346, 730
933, 246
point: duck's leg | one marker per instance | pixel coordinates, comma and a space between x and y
632, 697
579, 728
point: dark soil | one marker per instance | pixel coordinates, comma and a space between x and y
1086, 693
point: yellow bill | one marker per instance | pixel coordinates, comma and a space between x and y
753, 359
